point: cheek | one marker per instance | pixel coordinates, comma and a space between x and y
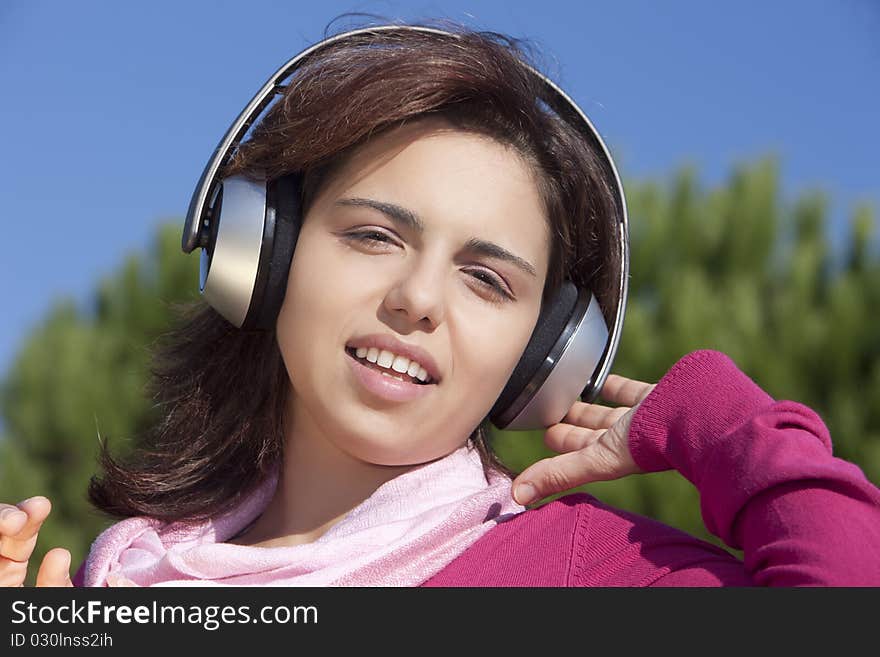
326, 274
311, 303
325, 299
493, 349
319, 284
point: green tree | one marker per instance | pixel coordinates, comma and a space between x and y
731, 268
79, 377
734, 269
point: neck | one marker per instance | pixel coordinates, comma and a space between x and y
317, 486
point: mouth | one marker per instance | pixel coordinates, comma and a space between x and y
388, 365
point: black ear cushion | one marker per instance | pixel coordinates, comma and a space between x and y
279, 241
551, 322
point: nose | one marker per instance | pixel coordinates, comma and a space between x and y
417, 294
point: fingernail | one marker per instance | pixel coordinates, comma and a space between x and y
525, 493
8, 513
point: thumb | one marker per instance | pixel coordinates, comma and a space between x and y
55, 569
603, 458
559, 473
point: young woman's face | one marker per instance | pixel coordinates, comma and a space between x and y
434, 238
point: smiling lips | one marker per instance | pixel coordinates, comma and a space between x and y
399, 358
385, 383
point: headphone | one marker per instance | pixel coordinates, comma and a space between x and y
247, 231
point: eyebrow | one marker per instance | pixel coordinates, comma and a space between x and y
407, 218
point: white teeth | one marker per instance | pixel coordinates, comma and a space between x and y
385, 358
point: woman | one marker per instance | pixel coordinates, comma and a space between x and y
442, 207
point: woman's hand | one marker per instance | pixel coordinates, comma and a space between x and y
592, 441
19, 527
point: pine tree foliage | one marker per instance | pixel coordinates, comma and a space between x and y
731, 268
737, 270
80, 377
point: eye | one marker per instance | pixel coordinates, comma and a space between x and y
491, 283
371, 237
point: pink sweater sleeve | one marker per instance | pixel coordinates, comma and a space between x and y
768, 482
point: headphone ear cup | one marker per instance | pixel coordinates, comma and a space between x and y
551, 323
283, 222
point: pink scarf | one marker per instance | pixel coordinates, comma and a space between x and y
404, 533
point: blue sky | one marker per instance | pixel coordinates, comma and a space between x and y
110, 109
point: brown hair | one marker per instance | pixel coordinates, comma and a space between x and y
216, 441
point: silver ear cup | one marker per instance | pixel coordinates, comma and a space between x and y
580, 351
230, 271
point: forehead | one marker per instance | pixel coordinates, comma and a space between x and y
460, 184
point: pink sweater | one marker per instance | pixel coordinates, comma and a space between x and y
768, 485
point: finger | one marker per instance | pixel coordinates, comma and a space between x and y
621, 390
596, 462
55, 569
593, 416
564, 438
12, 520
12, 573
19, 546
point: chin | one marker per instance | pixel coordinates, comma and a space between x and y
385, 454
381, 437
382, 448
